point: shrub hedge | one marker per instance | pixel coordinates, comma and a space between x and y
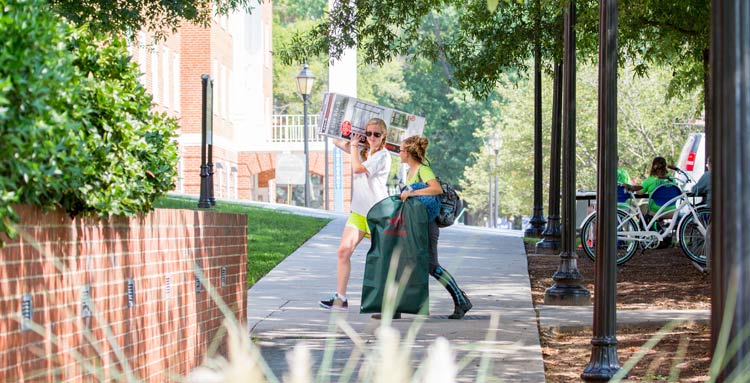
76, 124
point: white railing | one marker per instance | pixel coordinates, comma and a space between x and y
290, 128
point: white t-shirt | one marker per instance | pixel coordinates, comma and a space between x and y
369, 190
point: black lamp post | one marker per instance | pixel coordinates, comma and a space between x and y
604, 364
206, 199
567, 289
550, 242
537, 221
305, 81
495, 142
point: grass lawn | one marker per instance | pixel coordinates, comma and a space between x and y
271, 234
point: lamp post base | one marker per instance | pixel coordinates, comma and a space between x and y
203, 201
603, 364
536, 227
567, 295
548, 245
567, 290
551, 236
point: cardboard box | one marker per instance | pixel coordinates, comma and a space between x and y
341, 115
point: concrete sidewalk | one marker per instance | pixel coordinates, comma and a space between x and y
489, 265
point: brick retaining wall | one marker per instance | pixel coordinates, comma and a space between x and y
163, 328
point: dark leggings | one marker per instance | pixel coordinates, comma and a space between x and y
438, 272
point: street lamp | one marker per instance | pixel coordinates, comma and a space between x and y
305, 81
489, 192
493, 144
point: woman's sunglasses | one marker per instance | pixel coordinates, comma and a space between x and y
377, 135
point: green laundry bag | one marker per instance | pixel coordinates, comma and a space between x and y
398, 231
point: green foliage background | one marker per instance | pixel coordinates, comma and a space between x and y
649, 124
77, 126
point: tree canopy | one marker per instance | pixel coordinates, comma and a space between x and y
492, 37
479, 45
158, 16
665, 33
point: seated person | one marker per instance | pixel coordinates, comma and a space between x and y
703, 186
623, 198
657, 176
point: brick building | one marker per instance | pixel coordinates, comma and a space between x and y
236, 52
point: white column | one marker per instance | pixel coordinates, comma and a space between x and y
342, 78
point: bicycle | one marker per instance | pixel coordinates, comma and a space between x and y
634, 230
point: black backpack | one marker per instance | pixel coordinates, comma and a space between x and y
450, 205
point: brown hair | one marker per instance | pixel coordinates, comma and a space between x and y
416, 147
658, 167
383, 129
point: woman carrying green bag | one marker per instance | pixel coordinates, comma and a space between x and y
412, 153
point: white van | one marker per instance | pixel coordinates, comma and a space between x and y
693, 158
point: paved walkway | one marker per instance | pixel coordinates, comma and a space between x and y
490, 265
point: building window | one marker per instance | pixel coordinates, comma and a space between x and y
180, 177
214, 76
234, 182
155, 72
165, 68
223, 91
220, 173
229, 183
142, 57
176, 81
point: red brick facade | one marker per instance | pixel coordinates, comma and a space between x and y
162, 330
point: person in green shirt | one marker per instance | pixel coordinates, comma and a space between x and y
657, 176
412, 153
623, 178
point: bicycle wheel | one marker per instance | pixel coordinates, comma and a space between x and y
626, 244
692, 241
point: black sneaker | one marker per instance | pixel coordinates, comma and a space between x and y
335, 303
462, 308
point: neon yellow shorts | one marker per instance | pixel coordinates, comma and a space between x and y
358, 222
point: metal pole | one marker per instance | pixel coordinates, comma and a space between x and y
550, 242
730, 127
210, 159
495, 194
568, 289
537, 222
206, 92
307, 155
604, 363
326, 190
489, 196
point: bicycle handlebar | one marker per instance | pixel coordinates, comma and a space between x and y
688, 179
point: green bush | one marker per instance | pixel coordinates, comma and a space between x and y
131, 157
76, 125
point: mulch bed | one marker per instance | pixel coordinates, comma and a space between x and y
656, 279
567, 354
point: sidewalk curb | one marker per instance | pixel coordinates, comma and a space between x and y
571, 319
